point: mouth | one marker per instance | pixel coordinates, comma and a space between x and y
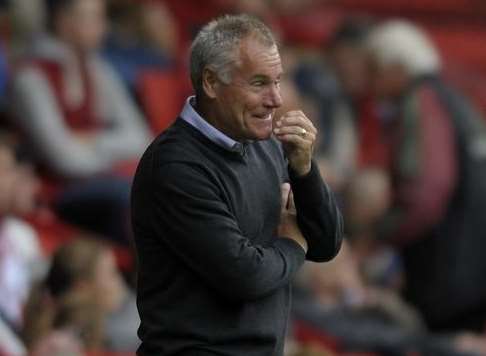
265, 116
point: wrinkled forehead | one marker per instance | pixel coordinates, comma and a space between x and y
254, 57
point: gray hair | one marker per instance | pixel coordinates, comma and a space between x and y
401, 42
214, 46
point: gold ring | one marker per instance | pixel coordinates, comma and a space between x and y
303, 132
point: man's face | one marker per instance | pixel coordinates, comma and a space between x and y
246, 105
351, 62
389, 80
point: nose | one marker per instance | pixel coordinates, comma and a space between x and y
273, 98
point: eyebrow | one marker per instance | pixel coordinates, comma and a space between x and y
264, 77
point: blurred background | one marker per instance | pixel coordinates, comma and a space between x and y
397, 90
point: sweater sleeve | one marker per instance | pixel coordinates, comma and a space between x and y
318, 215
37, 113
195, 222
422, 195
129, 135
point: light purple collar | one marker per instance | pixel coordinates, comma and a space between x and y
190, 115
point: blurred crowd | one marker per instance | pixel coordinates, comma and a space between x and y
86, 84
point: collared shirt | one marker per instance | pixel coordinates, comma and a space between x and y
191, 116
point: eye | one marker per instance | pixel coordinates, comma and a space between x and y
258, 83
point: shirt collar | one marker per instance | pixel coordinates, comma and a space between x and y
191, 116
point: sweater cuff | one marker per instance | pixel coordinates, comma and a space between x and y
308, 189
292, 250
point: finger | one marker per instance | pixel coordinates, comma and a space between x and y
296, 142
294, 112
295, 130
285, 189
291, 203
297, 139
297, 123
296, 120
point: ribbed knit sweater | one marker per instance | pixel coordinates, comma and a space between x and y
213, 276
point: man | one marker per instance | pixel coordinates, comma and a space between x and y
217, 233
436, 217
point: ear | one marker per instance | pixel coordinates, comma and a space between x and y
210, 83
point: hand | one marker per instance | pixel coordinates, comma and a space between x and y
297, 134
288, 227
469, 342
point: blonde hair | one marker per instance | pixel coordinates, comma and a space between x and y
55, 304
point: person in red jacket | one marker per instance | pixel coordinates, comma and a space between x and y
81, 121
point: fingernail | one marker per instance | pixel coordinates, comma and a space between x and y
276, 131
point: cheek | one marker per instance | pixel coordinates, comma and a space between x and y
110, 293
252, 104
239, 106
109, 285
90, 32
95, 34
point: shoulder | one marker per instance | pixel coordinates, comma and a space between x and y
424, 101
179, 143
22, 238
101, 64
29, 74
104, 73
176, 147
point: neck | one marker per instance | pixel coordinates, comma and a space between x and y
208, 112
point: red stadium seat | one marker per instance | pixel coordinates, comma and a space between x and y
307, 334
413, 7
159, 96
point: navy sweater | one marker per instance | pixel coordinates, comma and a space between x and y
213, 277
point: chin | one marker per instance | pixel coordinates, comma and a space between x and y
260, 131
261, 134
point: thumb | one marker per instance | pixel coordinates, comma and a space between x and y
291, 203
285, 190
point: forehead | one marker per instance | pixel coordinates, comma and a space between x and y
87, 6
256, 58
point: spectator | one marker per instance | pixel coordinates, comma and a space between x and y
366, 199
136, 42
68, 311
79, 117
21, 259
355, 113
337, 83
353, 153
437, 180
70, 101
334, 300
20, 254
